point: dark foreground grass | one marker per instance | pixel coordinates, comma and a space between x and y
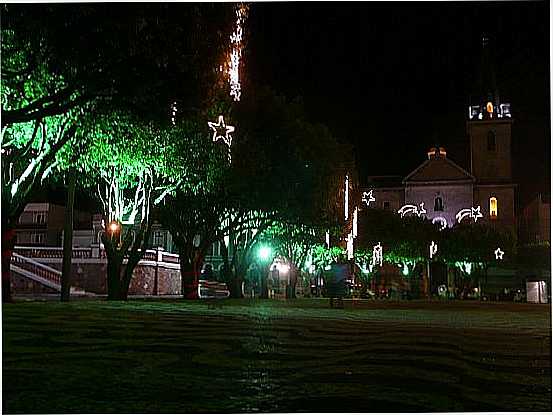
157, 356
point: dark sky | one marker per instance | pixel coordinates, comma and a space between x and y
395, 78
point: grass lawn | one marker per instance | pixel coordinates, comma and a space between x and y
250, 356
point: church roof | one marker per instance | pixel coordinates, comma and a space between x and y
439, 169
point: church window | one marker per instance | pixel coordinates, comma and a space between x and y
493, 208
491, 140
438, 204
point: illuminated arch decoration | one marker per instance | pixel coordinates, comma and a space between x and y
499, 254
368, 197
472, 212
414, 209
441, 220
433, 249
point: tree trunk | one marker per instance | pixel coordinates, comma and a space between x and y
68, 238
189, 287
115, 262
8, 242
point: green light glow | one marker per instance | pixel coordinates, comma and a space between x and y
264, 253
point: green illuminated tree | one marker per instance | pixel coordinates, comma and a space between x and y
128, 164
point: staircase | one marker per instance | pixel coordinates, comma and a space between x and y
43, 274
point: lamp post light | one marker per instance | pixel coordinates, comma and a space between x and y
264, 254
114, 229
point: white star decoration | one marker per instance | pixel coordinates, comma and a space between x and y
499, 253
368, 197
221, 126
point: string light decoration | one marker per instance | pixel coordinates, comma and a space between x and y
350, 246
414, 209
173, 113
377, 255
236, 39
355, 222
499, 253
472, 212
368, 197
433, 249
327, 239
346, 198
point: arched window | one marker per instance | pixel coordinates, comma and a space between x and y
493, 208
438, 204
491, 140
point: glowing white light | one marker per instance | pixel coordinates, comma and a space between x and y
442, 221
499, 253
221, 126
433, 249
355, 222
328, 268
173, 113
346, 198
405, 269
327, 239
350, 246
377, 255
474, 213
405, 209
283, 268
236, 52
368, 197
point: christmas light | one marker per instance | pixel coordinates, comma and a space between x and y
350, 246
499, 253
236, 52
173, 113
377, 255
405, 209
474, 213
433, 249
405, 269
442, 221
355, 222
327, 239
346, 198
368, 197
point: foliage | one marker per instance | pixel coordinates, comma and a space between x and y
475, 243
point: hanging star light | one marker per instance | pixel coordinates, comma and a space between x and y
499, 253
433, 249
368, 197
405, 209
221, 130
472, 212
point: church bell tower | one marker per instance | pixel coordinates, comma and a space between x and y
489, 127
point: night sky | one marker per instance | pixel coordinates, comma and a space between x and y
395, 78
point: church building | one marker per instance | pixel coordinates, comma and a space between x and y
445, 192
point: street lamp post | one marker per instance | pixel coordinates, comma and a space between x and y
264, 254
